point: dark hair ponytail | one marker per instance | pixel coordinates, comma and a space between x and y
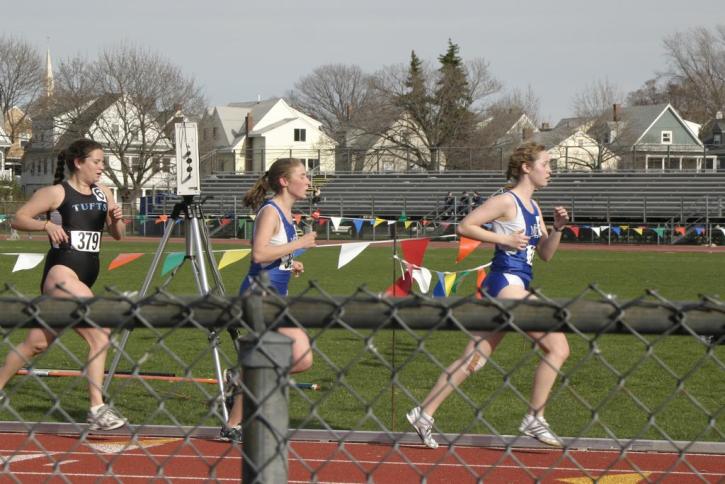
77, 150
282, 168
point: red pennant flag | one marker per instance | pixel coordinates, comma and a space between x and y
297, 217
680, 230
225, 221
401, 287
322, 221
479, 282
424, 222
316, 214
444, 226
123, 259
465, 247
574, 229
414, 250
161, 219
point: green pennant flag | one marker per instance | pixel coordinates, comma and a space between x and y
172, 261
142, 219
459, 278
402, 217
660, 231
241, 224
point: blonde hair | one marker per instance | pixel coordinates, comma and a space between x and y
282, 168
525, 153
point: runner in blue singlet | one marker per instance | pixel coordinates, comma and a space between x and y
518, 231
273, 244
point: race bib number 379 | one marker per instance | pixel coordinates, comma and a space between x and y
85, 241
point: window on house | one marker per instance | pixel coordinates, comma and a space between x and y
655, 163
716, 138
155, 164
580, 143
300, 134
214, 132
205, 134
166, 165
312, 163
115, 130
666, 137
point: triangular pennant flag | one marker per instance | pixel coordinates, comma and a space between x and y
604, 227
617, 230
179, 220
660, 231
450, 279
316, 214
173, 260
401, 287
142, 219
624, 227
459, 279
336, 222
357, 223
322, 221
161, 219
721, 229
349, 251
225, 221
699, 230
377, 221
27, 261
407, 224
444, 226
596, 230
297, 218
440, 288
465, 247
253, 216
422, 276
391, 222
402, 217
414, 250
123, 259
232, 256
240, 224
480, 277
424, 222
639, 230
3, 218
680, 230
574, 229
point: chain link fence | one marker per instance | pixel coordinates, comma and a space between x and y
643, 375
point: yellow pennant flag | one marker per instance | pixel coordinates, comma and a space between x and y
450, 279
232, 256
378, 221
408, 223
639, 230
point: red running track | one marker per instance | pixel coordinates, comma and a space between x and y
44, 458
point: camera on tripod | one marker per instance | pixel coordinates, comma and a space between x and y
187, 159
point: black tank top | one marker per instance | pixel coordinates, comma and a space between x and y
82, 217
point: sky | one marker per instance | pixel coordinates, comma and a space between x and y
239, 50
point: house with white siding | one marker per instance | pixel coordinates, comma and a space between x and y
250, 136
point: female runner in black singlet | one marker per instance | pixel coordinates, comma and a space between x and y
78, 208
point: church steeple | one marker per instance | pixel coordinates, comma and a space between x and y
49, 83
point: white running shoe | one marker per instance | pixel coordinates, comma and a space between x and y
538, 428
105, 418
423, 424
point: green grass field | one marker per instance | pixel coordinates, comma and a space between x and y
622, 385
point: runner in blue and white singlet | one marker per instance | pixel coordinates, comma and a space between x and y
279, 270
514, 266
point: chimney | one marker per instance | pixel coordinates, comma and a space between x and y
545, 127
615, 112
249, 123
527, 134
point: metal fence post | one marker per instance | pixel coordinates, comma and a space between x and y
265, 357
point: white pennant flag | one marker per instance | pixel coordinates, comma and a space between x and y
336, 222
721, 230
422, 276
27, 261
349, 251
596, 230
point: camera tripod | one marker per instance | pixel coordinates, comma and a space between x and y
198, 251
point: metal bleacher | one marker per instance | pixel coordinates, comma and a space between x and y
589, 196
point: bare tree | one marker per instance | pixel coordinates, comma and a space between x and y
697, 66
21, 81
596, 98
128, 99
337, 95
